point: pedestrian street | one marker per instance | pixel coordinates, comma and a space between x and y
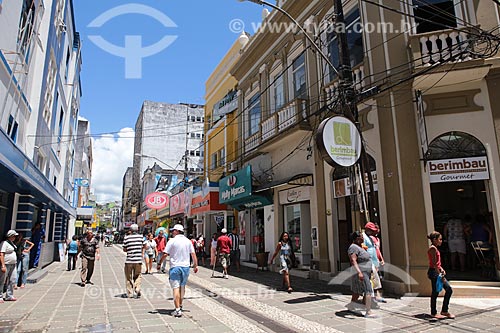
248, 302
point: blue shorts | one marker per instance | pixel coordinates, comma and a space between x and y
178, 276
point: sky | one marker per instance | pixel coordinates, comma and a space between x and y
159, 50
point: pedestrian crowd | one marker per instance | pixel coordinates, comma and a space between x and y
184, 253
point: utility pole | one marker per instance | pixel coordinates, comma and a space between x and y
186, 150
348, 104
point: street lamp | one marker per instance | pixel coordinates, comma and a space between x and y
284, 12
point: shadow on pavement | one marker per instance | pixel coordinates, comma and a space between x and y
346, 314
312, 298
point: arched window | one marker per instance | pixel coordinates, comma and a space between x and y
455, 145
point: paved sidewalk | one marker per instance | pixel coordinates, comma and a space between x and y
247, 302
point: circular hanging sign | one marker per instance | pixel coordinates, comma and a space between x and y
339, 141
156, 200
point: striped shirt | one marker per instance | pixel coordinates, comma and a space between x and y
133, 244
235, 241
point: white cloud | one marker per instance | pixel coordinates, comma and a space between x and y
112, 155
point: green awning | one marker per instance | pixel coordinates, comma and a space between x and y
253, 201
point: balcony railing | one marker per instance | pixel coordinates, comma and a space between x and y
439, 46
288, 116
358, 77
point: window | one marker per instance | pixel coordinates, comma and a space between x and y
214, 159
61, 123
197, 153
434, 15
299, 77
354, 42
55, 181
222, 157
198, 119
40, 163
49, 91
193, 135
193, 118
12, 128
191, 152
198, 135
26, 27
254, 114
278, 93
68, 54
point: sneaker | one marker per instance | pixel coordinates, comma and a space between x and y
89, 282
13, 299
177, 313
380, 300
82, 284
226, 276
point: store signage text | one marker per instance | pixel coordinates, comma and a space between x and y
339, 141
233, 192
458, 169
296, 194
156, 200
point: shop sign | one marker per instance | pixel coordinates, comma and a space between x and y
458, 169
339, 141
78, 223
188, 199
296, 194
177, 204
236, 186
156, 200
226, 105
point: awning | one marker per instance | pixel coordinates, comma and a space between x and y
302, 179
253, 201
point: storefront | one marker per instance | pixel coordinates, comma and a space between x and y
256, 213
349, 207
28, 198
177, 209
459, 176
208, 214
297, 222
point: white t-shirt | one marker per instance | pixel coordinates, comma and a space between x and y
150, 246
179, 248
10, 256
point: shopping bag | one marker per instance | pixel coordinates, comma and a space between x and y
439, 283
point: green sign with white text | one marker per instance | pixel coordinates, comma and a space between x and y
236, 186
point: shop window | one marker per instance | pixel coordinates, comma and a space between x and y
293, 226
434, 15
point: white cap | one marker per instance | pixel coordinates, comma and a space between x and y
134, 227
224, 231
11, 233
178, 227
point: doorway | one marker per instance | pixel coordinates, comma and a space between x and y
461, 206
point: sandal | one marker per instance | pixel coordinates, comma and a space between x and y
290, 290
438, 316
13, 299
448, 315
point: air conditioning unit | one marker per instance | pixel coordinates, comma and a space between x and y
233, 166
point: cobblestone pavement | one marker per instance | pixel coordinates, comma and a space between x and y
246, 302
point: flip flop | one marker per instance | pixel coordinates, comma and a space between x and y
438, 316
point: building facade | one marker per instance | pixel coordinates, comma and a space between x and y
170, 135
431, 161
40, 96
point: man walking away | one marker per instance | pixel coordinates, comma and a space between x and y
89, 247
180, 249
133, 244
224, 245
161, 242
235, 248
